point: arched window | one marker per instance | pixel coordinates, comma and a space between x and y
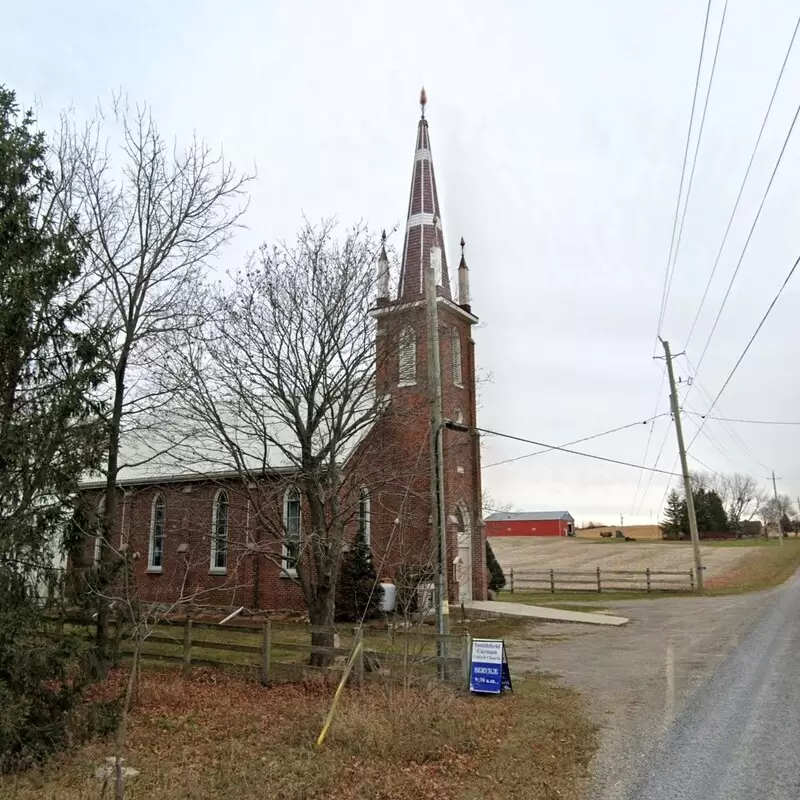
292, 531
98, 538
455, 350
407, 357
219, 532
155, 561
364, 514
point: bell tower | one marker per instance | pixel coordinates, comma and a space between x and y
402, 378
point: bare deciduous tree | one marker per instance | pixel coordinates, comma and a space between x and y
279, 382
152, 220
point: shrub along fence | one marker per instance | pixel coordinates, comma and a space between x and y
274, 652
554, 580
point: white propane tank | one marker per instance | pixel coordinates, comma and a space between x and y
389, 597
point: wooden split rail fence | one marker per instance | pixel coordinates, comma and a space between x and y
553, 580
275, 652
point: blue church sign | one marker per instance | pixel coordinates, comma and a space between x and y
488, 670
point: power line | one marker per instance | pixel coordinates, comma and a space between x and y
655, 464
729, 429
694, 160
750, 342
571, 452
649, 439
683, 174
568, 444
749, 237
746, 421
744, 181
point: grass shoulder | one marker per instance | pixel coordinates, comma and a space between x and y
214, 734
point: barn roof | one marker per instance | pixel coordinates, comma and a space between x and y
529, 516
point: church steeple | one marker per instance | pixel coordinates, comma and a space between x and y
423, 224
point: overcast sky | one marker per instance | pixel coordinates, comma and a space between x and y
558, 132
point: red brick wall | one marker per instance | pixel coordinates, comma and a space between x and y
393, 462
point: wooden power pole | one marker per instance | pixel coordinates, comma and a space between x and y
687, 481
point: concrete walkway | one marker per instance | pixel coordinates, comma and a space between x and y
542, 612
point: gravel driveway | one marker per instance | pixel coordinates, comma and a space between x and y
638, 678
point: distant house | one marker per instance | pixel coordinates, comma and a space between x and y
530, 523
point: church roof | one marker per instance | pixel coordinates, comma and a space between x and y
424, 221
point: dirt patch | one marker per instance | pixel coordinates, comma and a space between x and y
215, 735
637, 531
574, 554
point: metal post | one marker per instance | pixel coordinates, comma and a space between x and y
437, 471
777, 508
511, 582
687, 481
552, 582
599, 587
648, 578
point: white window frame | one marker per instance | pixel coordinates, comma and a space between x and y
407, 357
291, 494
215, 569
364, 498
455, 350
151, 550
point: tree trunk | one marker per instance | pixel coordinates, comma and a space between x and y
321, 613
110, 511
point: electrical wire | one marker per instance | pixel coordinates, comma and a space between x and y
744, 181
569, 444
683, 174
649, 439
694, 160
749, 343
729, 429
572, 452
746, 421
749, 237
655, 464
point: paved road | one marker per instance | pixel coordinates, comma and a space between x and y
738, 738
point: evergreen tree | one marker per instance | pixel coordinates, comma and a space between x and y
497, 580
48, 434
359, 594
710, 512
676, 522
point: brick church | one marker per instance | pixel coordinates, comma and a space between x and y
194, 530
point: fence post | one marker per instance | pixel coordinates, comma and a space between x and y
691, 578
187, 644
359, 665
512, 580
648, 578
599, 587
466, 658
266, 644
552, 582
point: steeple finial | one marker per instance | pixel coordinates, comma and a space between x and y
383, 270
463, 279
423, 100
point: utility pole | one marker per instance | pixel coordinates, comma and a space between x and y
687, 481
777, 508
437, 459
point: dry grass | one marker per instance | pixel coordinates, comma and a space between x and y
760, 568
218, 736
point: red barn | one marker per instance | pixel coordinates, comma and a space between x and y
530, 523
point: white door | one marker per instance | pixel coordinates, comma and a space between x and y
464, 561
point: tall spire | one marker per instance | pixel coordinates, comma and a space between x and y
463, 279
423, 225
